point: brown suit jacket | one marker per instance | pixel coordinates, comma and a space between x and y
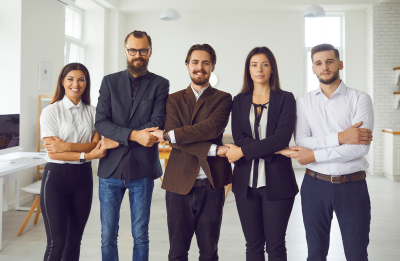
197, 125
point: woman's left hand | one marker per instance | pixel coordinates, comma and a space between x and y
56, 146
234, 153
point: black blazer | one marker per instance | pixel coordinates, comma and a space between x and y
280, 179
116, 117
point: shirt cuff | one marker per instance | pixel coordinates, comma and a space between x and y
213, 150
320, 155
332, 140
172, 136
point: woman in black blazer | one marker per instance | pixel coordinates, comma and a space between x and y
263, 121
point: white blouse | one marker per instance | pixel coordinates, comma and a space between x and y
69, 122
262, 130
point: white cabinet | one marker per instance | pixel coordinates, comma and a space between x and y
391, 154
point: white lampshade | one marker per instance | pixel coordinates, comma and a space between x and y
213, 79
314, 11
170, 15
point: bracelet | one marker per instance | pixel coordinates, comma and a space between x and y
166, 136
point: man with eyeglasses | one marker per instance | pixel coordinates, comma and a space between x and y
131, 105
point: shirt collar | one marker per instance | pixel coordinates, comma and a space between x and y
342, 89
68, 104
200, 92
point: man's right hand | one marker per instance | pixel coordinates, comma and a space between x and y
143, 137
355, 135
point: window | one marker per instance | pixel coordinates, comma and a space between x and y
74, 49
320, 30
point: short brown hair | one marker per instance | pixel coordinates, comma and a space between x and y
202, 47
274, 83
324, 47
60, 91
139, 34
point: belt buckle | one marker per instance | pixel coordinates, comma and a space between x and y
333, 181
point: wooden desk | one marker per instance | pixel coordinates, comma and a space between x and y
164, 154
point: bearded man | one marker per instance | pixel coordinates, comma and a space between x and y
131, 104
333, 134
197, 169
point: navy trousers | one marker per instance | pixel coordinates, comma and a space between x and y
352, 207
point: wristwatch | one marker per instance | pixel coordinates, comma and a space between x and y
82, 158
216, 150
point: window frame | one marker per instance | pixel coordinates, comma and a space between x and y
340, 49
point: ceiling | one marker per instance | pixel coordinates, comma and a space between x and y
151, 6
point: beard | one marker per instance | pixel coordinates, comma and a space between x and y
200, 81
334, 77
138, 70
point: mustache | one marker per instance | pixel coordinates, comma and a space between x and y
138, 59
201, 71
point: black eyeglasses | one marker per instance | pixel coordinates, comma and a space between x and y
142, 52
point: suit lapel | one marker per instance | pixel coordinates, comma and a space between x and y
142, 88
273, 110
246, 105
126, 82
203, 97
190, 98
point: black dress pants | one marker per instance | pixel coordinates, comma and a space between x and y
65, 200
264, 224
200, 212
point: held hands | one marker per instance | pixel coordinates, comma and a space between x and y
222, 150
57, 145
234, 153
285, 152
98, 152
144, 137
355, 135
159, 134
302, 155
109, 143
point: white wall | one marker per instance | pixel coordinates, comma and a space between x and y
10, 53
42, 38
233, 35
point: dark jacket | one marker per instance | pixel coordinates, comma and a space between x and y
197, 125
280, 179
116, 117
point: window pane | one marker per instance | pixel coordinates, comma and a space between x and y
82, 55
69, 21
322, 30
312, 80
77, 25
73, 53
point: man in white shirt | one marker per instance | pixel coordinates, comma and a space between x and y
333, 133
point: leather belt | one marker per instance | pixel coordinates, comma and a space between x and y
201, 183
356, 176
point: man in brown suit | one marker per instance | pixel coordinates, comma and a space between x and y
197, 169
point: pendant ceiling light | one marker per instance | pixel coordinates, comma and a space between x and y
314, 11
170, 14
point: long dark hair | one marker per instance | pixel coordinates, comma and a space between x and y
248, 85
60, 91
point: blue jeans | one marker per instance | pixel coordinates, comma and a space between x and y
350, 202
111, 193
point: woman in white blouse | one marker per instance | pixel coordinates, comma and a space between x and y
263, 120
71, 142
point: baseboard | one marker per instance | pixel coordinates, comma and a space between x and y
392, 177
22, 201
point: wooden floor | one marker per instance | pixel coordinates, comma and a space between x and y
384, 246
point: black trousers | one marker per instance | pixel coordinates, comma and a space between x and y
65, 200
200, 212
264, 224
352, 206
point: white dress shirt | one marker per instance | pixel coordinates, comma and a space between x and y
319, 120
213, 148
69, 122
262, 132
